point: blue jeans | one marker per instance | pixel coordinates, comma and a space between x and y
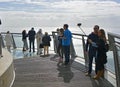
90, 63
25, 44
66, 50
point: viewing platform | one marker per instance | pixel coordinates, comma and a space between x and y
45, 72
32, 70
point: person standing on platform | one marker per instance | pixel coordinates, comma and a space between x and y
101, 56
66, 40
60, 47
39, 36
46, 43
24, 39
31, 35
56, 41
9, 40
92, 50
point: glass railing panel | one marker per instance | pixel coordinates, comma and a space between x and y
118, 51
18, 53
78, 46
3, 36
51, 44
77, 42
18, 40
118, 45
110, 62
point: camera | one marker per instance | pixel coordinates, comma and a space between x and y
79, 24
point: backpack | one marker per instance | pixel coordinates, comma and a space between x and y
46, 39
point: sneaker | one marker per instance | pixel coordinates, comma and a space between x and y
24, 50
87, 74
1, 56
61, 60
96, 77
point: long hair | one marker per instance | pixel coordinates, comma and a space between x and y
103, 35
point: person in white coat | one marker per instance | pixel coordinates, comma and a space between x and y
8, 40
39, 36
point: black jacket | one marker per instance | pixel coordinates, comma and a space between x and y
24, 35
101, 51
46, 40
31, 35
89, 47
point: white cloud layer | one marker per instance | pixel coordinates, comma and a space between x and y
58, 12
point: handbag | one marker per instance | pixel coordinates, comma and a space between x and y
41, 45
106, 47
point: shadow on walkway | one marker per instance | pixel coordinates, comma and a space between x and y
65, 72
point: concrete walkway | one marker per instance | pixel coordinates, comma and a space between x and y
44, 72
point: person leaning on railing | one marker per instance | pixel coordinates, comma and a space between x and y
46, 43
24, 39
31, 36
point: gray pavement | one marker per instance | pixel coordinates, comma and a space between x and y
44, 72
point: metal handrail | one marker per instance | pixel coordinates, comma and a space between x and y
0, 45
113, 47
14, 44
83, 43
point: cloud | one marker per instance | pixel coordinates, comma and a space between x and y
64, 6
6, 0
57, 12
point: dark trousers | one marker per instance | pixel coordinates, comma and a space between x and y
66, 53
99, 63
31, 42
90, 63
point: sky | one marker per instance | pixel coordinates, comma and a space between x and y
53, 13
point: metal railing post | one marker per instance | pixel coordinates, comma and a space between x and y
14, 45
85, 55
53, 34
0, 45
72, 50
116, 60
2, 41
